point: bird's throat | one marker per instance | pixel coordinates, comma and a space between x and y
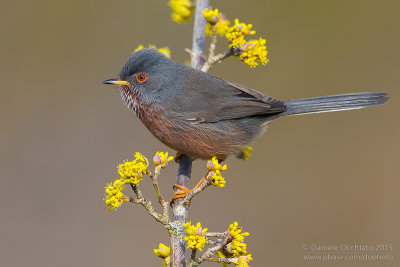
131, 98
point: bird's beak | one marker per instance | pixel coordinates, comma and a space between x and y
116, 81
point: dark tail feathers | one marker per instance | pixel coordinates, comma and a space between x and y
333, 103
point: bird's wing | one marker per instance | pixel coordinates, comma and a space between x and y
211, 99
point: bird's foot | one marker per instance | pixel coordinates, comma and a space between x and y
182, 192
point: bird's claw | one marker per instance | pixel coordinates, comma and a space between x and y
180, 192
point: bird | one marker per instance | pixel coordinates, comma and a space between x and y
203, 116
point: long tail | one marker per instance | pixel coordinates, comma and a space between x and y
333, 103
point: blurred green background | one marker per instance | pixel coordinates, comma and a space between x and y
318, 179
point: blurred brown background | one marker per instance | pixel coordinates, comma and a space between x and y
318, 179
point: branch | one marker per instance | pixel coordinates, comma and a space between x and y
199, 35
204, 185
209, 253
185, 166
180, 213
212, 45
193, 256
225, 260
164, 204
220, 235
214, 59
149, 207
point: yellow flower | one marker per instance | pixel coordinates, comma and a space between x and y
195, 235
237, 32
162, 50
246, 152
162, 251
237, 248
222, 26
138, 48
217, 179
243, 261
212, 16
217, 20
213, 165
165, 51
181, 10
114, 196
255, 52
131, 172
236, 232
221, 254
161, 158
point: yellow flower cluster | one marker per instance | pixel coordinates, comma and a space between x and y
164, 253
162, 50
131, 172
214, 166
181, 10
237, 246
217, 20
255, 52
115, 197
237, 32
246, 152
243, 261
252, 52
195, 235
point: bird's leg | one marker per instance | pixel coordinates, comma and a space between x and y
183, 191
178, 157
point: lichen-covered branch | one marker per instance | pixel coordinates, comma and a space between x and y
180, 213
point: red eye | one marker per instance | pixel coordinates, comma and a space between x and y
141, 77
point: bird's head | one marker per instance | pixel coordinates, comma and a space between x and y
145, 76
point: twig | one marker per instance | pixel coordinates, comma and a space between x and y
149, 207
193, 255
164, 204
214, 59
216, 234
213, 243
209, 253
204, 185
224, 260
213, 43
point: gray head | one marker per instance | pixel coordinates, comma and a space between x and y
148, 61
145, 75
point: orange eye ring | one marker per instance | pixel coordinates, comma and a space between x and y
141, 77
